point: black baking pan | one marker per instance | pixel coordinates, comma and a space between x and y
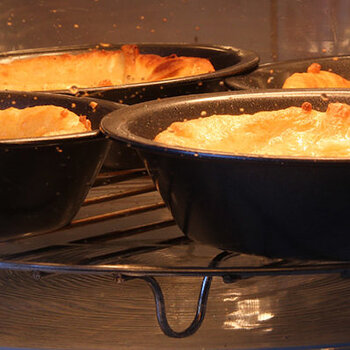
44, 180
273, 75
269, 206
226, 60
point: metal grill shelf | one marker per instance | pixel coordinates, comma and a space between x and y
125, 229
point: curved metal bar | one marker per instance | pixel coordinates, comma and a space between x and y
201, 304
161, 311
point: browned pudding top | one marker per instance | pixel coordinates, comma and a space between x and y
294, 131
315, 78
96, 68
40, 121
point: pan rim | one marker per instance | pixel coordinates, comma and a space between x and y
241, 82
47, 140
119, 119
247, 59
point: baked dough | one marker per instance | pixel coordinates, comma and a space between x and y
315, 78
96, 68
40, 121
144, 68
294, 131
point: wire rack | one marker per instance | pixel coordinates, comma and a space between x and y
124, 229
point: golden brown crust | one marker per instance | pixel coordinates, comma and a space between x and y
315, 78
40, 121
56, 72
293, 131
96, 68
142, 68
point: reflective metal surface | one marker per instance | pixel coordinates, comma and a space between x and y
276, 29
91, 312
257, 302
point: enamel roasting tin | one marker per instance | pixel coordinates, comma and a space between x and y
269, 206
226, 60
44, 180
273, 75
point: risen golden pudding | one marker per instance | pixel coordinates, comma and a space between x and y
96, 68
294, 131
315, 78
40, 121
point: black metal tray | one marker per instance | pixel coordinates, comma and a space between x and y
226, 60
273, 75
274, 206
44, 180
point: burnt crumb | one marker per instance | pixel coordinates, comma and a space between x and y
93, 104
307, 107
74, 89
64, 113
314, 68
324, 97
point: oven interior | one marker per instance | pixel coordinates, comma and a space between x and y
122, 275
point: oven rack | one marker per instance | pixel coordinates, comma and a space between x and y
124, 229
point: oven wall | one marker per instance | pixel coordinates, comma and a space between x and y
276, 29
